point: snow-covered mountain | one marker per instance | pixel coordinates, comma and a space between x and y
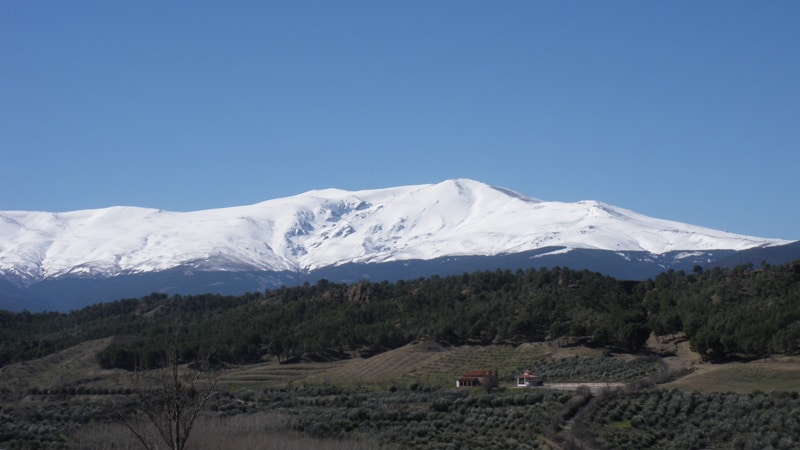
333, 227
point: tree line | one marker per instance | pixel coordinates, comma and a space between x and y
726, 313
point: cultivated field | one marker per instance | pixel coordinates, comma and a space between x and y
406, 398
428, 363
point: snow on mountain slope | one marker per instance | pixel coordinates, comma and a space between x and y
328, 227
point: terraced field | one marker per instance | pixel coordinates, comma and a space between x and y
457, 360
383, 369
386, 368
272, 374
422, 363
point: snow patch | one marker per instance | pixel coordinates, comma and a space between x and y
560, 251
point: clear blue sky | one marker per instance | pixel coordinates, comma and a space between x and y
687, 111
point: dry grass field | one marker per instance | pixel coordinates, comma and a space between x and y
765, 375
772, 374
74, 367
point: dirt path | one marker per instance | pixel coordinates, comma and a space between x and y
594, 388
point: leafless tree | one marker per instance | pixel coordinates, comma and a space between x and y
170, 400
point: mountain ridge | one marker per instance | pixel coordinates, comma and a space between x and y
330, 227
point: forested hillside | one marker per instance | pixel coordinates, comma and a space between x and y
729, 313
733, 313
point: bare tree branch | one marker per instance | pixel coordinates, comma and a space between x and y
172, 400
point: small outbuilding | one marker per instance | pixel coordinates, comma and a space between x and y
478, 378
528, 379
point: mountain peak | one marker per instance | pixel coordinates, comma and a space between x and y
329, 227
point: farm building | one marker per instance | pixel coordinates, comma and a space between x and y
478, 378
528, 379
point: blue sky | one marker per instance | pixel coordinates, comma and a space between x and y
687, 111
